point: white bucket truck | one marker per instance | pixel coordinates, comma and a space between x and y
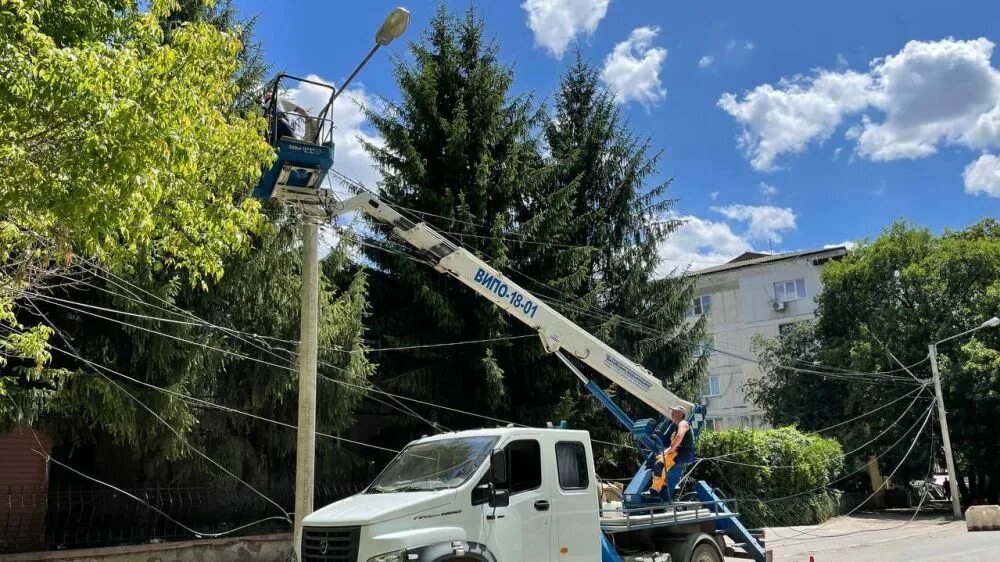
524, 494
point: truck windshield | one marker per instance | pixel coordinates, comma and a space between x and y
434, 465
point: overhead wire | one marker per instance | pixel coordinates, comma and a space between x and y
226, 329
652, 331
239, 335
824, 374
63, 303
885, 481
159, 418
916, 512
846, 476
41, 451
390, 394
520, 238
210, 404
250, 358
830, 459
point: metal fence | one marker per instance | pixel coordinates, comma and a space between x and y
76, 518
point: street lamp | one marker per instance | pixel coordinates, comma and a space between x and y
393, 26
305, 455
956, 508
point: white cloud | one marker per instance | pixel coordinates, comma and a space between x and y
929, 94
849, 244
764, 222
714, 195
700, 243
632, 70
983, 176
556, 22
706, 61
351, 159
841, 60
745, 45
785, 119
767, 191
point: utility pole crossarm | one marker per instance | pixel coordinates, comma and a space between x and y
556, 331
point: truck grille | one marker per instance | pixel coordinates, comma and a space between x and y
326, 544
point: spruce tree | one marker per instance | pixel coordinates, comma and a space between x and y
600, 265
627, 218
577, 224
458, 147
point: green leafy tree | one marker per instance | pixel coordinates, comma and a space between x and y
779, 477
259, 294
896, 294
118, 145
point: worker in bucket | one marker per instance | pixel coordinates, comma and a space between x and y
286, 112
680, 451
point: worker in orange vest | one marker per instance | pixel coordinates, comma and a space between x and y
680, 450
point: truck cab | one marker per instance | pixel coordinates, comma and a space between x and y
508, 494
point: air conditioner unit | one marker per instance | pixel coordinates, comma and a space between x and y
778, 306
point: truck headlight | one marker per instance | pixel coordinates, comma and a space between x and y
394, 556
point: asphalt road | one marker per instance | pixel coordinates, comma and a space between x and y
884, 538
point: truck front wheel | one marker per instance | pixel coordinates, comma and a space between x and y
705, 552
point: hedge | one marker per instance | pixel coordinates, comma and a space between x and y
779, 477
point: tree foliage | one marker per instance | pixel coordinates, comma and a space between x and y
779, 477
117, 144
120, 313
896, 294
457, 146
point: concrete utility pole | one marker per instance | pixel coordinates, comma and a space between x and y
956, 506
305, 456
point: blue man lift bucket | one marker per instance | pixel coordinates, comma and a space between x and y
299, 165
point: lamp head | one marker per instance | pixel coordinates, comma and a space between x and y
393, 26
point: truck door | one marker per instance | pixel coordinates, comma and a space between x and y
524, 532
575, 503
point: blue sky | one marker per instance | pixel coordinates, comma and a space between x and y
789, 125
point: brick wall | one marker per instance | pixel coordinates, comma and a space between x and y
23, 489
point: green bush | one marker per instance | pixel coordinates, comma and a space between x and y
778, 476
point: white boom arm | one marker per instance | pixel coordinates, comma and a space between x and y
557, 332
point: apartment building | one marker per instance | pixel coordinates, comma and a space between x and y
752, 294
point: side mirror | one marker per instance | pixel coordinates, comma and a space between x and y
499, 497
498, 468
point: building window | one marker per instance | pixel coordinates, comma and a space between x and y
714, 386
524, 465
700, 305
746, 422
786, 291
704, 348
714, 424
571, 464
786, 328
